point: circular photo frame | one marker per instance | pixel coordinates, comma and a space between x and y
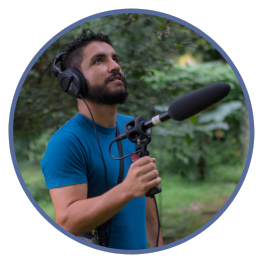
159, 35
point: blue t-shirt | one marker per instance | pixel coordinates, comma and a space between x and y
73, 157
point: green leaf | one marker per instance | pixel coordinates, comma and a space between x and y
193, 119
214, 126
177, 46
187, 138
221, 112
191, 46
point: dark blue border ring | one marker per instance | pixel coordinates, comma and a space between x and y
175, 19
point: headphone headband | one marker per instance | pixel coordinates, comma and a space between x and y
55, 69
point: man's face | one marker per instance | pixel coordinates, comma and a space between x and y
101, 69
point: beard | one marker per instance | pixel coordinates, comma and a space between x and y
100, 94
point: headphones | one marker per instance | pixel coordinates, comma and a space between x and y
70, 80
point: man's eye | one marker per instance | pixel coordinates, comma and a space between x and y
98, 60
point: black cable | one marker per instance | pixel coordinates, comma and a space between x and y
97, 141
115, 140
157, 213
105, 169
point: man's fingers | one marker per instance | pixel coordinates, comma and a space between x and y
154, 182
147, 168
150, 175
144, 160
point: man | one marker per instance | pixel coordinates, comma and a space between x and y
73, 165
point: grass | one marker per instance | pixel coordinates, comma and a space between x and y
184, 206
36, 184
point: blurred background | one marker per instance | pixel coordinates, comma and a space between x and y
200, 159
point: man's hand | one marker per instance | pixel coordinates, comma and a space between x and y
141, 177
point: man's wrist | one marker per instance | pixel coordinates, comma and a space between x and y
124, 192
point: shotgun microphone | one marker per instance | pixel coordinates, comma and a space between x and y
192, 103
188, 105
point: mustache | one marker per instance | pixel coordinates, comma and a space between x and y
114, 75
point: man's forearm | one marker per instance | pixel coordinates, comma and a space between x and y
85, 215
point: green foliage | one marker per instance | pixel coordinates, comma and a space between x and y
39, 191
188, 145
41, 103
220, 113
34, 180
32, 147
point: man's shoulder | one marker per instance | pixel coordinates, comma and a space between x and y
72, 127
69, 135
65, 142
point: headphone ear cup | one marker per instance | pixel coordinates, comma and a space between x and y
82, 83
72, 82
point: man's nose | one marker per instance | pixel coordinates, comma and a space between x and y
114, 66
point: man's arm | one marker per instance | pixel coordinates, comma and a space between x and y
77, 214
152, 224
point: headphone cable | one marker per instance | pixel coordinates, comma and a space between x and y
97, 141
105, 169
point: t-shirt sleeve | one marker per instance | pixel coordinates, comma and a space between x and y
65, 161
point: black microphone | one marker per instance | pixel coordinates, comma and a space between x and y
192, 103
188, 105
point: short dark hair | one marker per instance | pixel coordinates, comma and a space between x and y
74, 51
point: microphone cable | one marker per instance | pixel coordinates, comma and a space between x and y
157, 213
115, 158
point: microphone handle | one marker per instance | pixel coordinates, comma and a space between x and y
156, 120
153, 191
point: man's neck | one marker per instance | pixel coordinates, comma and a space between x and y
104, 115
